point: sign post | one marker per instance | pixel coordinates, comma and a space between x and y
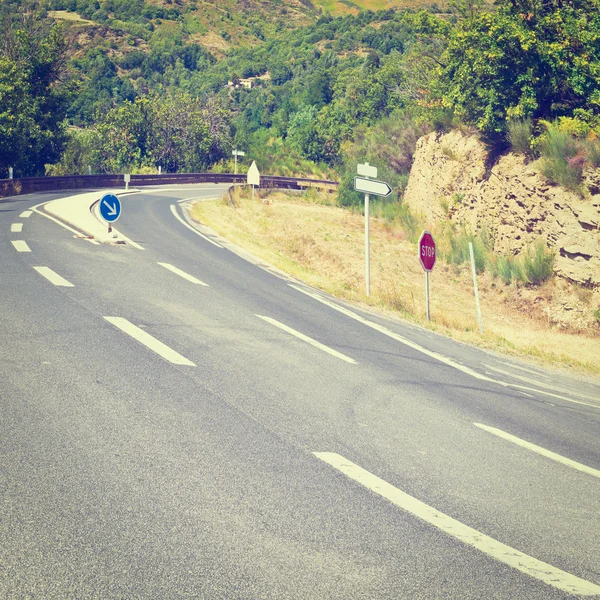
253, 177
427, 256
369, 186
236, 153
110, 209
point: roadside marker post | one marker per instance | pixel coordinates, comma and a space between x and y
475, 288
253, 177
236, 153
10, 172
127, 180
89, 170
369, 186
427, 256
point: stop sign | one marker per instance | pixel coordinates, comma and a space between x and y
427, 251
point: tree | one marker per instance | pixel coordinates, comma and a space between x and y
34, 91
531, 58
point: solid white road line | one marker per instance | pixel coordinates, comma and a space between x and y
64, 225
305, 338
16, 227
21, 246
435, 355
395, 336
183, 222
127, 240
539, 450
182, 274
544, 385
513, 366
53, 277
493, 548
25, 214
149, 341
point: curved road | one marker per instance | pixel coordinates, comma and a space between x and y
178, 421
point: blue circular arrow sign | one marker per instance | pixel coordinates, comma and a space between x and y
110, 208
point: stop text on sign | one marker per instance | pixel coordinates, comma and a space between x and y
427, 251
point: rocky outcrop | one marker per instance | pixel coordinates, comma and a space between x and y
511, 200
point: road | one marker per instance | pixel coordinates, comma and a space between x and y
180, 421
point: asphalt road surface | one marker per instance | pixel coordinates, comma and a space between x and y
178, 421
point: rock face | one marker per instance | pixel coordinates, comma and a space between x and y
512, 201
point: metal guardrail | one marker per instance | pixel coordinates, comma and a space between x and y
29, 185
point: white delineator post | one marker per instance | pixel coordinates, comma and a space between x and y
367, 248
475, 288
236, 153
10, 172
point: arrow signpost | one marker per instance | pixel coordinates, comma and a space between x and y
253, 177
110, 209
377, 188
236, 153
427, 256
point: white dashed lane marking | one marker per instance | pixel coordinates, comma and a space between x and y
21, 246
307, 339
183, 274
53, 277
149, 341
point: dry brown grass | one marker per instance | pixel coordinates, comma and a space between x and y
323, 245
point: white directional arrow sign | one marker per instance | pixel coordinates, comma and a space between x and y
372, 186
111, 210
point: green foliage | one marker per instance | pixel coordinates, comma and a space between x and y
562, 159
34, 92
597, 315
455, 248
527, 59
507, 268
592, 149
533, 267
537, 264
177, 132
520, 136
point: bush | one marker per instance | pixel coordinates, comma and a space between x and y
537, 264
562, 159
455, 249
507, 268
520, 134
534, 267
593, 153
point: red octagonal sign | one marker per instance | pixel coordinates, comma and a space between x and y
427, 251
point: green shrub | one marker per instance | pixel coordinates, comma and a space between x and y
562, 159
597, 314
508, 269
520, 134
593, 153
533, 267
457, 249
537, 264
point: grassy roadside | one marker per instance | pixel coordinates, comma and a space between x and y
315, 241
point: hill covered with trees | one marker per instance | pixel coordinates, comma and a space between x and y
131, 85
